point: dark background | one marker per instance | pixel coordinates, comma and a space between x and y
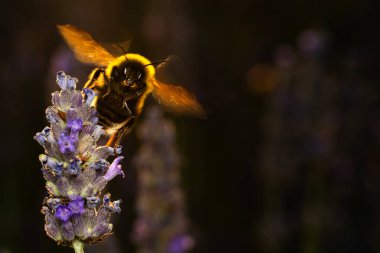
288, 160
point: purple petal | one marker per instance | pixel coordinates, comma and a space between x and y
52, 163
114, 169
61, 80
66, 82
74, 167
75, 125
63, 213
71, 82
76, 206
90, 95
40, 138
66, 143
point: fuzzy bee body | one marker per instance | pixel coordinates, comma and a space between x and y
123, 84
120, 104
114, 115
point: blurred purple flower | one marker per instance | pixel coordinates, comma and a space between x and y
161, 224
312, 42
180, 244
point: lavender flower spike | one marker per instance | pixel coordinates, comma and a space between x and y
76, 169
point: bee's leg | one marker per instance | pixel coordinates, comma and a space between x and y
93, 76
107, 82
116, 138
111, 140
125, 104
91, 83
121, 134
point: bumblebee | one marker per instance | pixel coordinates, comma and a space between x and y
123, 84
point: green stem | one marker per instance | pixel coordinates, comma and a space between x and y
78, 246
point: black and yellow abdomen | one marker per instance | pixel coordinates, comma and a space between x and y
113, 113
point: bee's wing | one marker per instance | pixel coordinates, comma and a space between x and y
117, 48
162, 67
121, 47
177, 99
85, 48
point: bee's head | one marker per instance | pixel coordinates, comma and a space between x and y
132, 73
130, 76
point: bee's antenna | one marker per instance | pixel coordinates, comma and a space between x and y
155, 63
122, 49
